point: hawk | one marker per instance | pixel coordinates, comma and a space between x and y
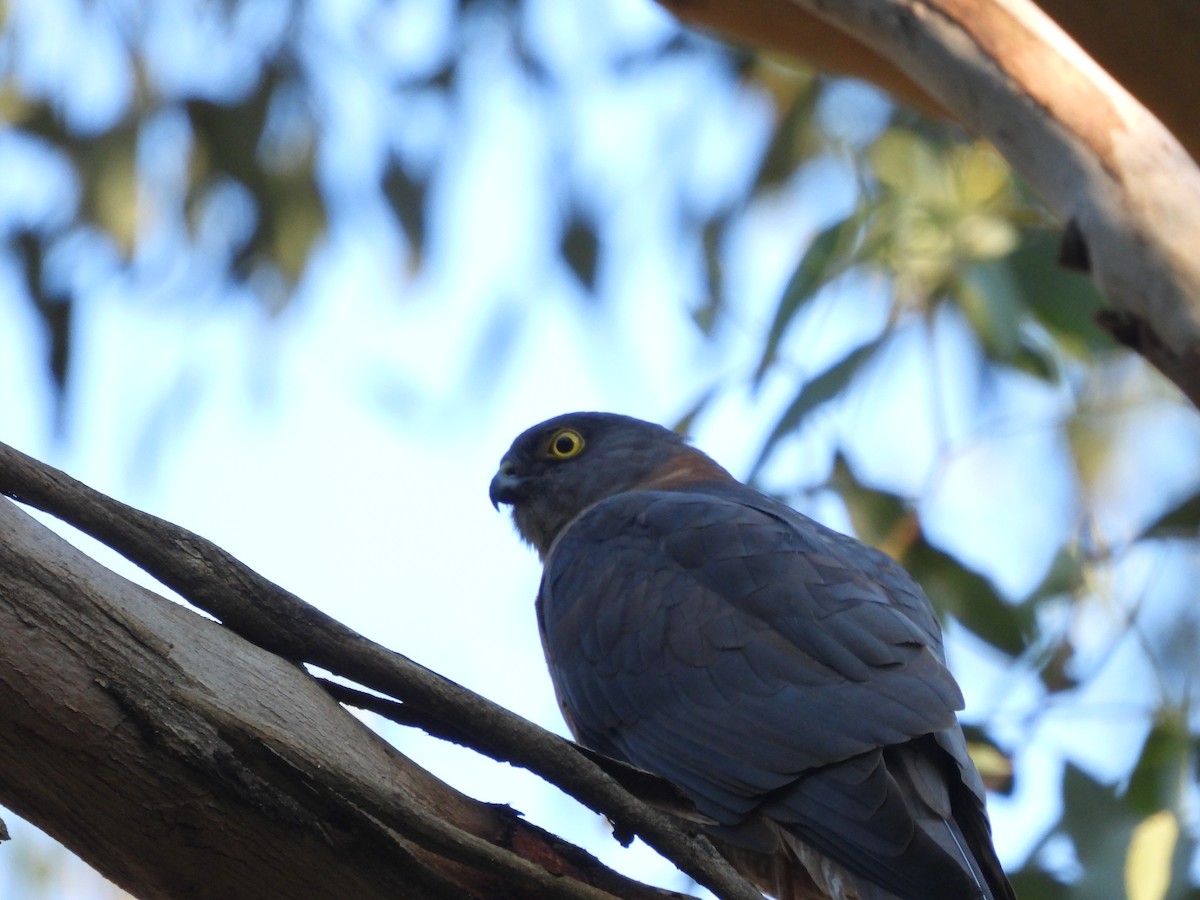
789, 679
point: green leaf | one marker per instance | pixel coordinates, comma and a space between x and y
683, 425
986, 295
876, 515
297, 219
816, 392
829, 254
406, 195
1037, 360
792, 144
1108, 831
1162, 768
1182, 520
1033, 884
890, 523
969, 597
1100, 826
1064, 302
56, 309
581, 249
1054, 669
994, 765
1063, 576
711, 236
230, 132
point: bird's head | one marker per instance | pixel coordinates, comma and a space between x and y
556, 470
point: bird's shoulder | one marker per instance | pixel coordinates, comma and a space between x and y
741, 549
723, 619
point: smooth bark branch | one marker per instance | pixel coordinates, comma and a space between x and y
1098, 157
278, 621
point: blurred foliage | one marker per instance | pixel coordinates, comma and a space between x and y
944, 224
229, 156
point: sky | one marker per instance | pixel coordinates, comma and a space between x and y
343, 446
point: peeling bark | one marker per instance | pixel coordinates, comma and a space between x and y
1097, 156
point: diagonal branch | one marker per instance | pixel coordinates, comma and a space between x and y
180, 760
277, 620
658, 792
1090, 149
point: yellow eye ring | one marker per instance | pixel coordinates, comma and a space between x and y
565, 443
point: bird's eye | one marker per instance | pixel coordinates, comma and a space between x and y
565, 444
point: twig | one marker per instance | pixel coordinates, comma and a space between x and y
650, 788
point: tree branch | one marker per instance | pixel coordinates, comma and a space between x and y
1096, 155
277, 620
179, 760
658, 792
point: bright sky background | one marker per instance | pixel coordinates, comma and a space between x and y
344, 450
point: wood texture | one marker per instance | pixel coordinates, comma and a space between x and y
274, 619
1150, 48
1083, 140
182, 761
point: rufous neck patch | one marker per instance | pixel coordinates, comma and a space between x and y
688, 468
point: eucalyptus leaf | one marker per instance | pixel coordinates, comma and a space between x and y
1064, 302
1180, 521
1100, 825
829, 254
406, 196
580, 248
818, 391
874, 513
971, 598
1162, 769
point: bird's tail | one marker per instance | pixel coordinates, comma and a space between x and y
954, 813
795, 871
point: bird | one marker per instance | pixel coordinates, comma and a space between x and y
787, 678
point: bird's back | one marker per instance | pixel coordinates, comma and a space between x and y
788, 678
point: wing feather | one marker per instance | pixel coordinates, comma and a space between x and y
763, 663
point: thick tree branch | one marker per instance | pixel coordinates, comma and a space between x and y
280, 622
182, 761
1097, 156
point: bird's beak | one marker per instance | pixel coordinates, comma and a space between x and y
506, 485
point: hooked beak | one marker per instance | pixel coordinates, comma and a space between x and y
506, 485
